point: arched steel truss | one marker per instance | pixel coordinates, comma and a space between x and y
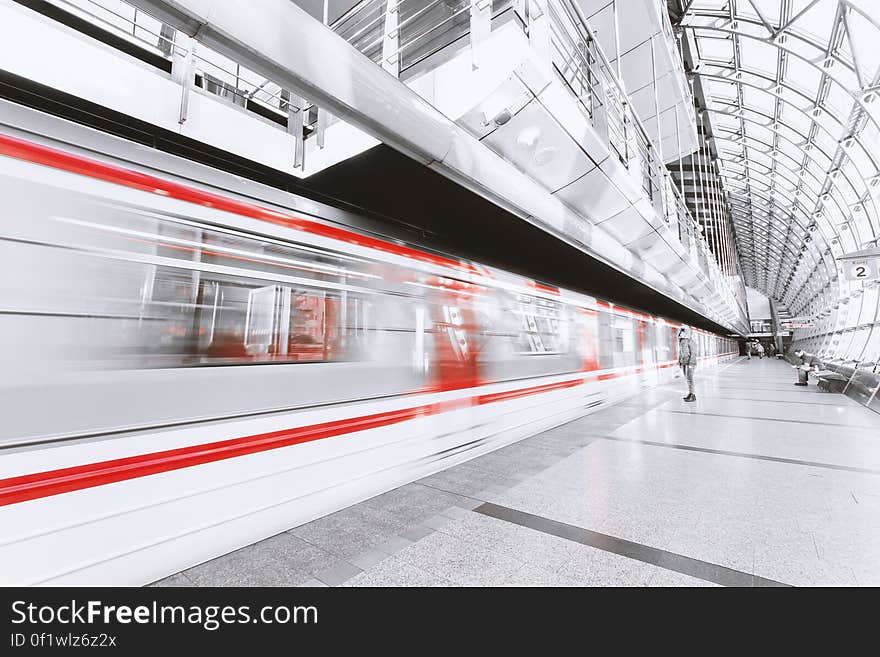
799, 193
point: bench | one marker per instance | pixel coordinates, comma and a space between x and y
830, 381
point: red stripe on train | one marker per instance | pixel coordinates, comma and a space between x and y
55, 482
514, 394
39, 154
543, 287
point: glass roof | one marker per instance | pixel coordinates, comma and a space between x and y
792, 96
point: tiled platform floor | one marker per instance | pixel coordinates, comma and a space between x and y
759, 482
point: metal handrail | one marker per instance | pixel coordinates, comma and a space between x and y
238, 91
356, 9
135, 26
421, 36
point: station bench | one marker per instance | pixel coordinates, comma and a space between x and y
830, 381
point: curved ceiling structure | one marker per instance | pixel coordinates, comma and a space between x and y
791, 96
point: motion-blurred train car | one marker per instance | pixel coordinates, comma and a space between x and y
191, 365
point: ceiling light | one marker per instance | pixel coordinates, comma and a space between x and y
528, 138
544, 156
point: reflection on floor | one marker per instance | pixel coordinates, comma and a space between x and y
757, 483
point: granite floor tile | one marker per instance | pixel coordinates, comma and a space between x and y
367, 559
337, 573
394, 571
397, 543
461, 562
670, 578
352, 531
282, 560
176, 580
312, 583
414, 502
416, 532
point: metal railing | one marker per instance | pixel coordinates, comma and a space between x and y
212, 72
419, 28
122, 19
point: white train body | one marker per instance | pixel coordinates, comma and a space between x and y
187, 370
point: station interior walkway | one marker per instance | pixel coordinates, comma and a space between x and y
758, 483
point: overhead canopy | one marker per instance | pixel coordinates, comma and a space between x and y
791, 94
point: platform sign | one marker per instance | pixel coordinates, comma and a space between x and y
861, 265
861, 270
798, 325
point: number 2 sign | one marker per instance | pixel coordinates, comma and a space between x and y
861, 270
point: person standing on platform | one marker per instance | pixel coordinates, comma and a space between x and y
687, 358
760, 350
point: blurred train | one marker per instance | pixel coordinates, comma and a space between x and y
191, 365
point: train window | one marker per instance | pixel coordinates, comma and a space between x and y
169, 238
664, 343
182, 294
543, 329
624, 340
200, 318
617, 340
606, 354
264, 309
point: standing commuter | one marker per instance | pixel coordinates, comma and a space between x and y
760, 350
687, 358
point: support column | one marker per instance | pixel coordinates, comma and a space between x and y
617, 41
656, 101
183, 67
323, 116
539, 31
391, 42
697, 172
481, 27
296, 123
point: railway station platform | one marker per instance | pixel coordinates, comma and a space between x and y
758, 483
